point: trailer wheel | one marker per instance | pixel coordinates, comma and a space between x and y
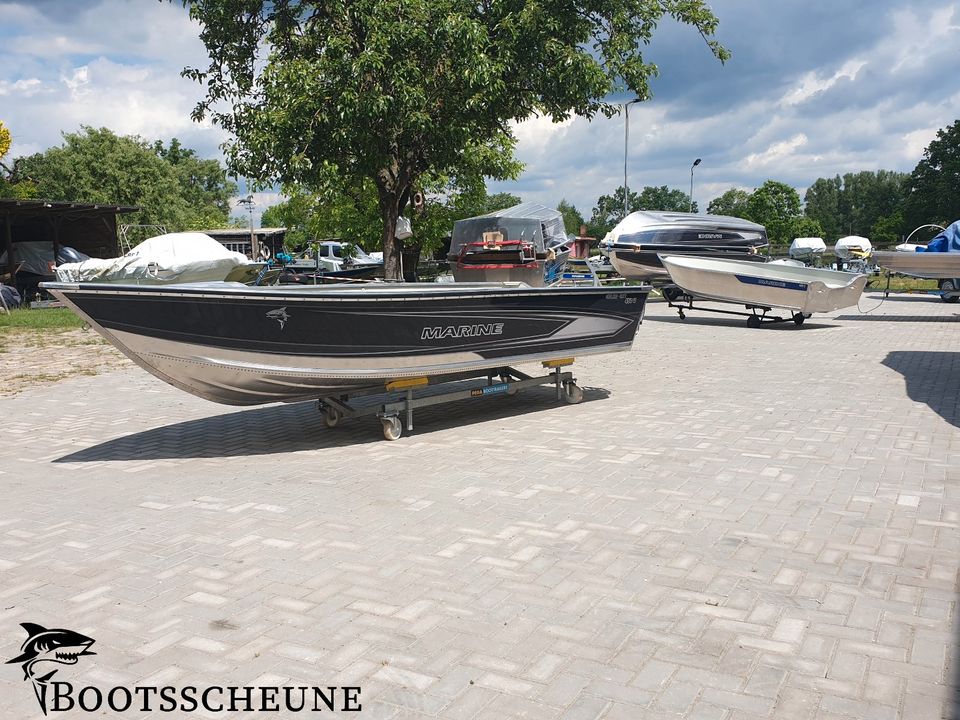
798, 318
573, 393
331, 417
392, 429
949, 286
753, 321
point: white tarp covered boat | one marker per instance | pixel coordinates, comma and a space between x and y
171, 258
807, 247
766, 285
852, 247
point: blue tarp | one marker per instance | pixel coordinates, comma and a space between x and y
947, 241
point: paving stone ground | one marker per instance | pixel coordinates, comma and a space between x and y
736, 524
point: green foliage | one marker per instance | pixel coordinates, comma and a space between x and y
354, 215
932, 193
609, 211
389, 91
887, 229
732, 203
171, 185
5, 140
663, 199
776, 206
853, 204
572, 219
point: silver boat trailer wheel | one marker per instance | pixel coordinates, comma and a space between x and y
400, 397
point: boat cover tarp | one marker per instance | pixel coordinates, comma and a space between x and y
529, 221
947, 241
852, 246
174, 257
807, 246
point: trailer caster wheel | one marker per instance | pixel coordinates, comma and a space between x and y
753, 321
392, 429
331, 417
798, 318
573, 393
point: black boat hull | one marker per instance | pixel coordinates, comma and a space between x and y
244, 346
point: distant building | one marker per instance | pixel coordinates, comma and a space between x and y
238, 239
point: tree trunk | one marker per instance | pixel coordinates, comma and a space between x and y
389, 211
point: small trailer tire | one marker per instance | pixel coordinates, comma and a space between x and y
392, 428
573, 393
331, 417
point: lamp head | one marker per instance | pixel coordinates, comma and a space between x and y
696, 162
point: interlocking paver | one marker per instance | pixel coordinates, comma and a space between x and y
735, 524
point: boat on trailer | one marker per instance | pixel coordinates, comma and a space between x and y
637, 242
241, 345
525, 243
762, 287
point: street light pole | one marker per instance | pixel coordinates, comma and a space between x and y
695, 163
254, 245
626, 135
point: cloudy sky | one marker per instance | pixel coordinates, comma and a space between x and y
814, 88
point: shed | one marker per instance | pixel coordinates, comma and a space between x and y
50, 225
238, 239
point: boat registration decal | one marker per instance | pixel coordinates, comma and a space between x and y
459, 331
751, 280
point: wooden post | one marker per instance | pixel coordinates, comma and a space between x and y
11, 266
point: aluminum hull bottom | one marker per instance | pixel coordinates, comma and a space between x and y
283, 345
933, 266
644, 264
804, 290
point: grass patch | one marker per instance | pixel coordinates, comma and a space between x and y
901, 284
40, 319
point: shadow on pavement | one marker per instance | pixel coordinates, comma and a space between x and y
932, 378
901, 318
695, 318
276, 429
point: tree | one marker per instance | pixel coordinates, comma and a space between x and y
572, 219
98, 166
13, 184
609, 211
822, 203
776, 206
933, 189
664, 199
318, 93
853, 204
733, 203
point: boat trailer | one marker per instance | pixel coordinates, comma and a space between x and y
388, 401
755, 318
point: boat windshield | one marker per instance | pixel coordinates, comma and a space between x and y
510, 228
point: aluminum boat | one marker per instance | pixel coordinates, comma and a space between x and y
636, 243
933, 265
242, 345
804, 290
524, 243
